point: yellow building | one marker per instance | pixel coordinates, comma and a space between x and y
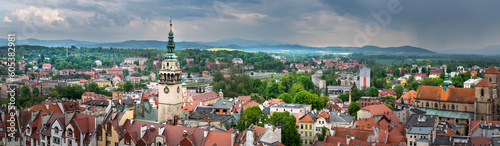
106, 133
306, 130
103, 83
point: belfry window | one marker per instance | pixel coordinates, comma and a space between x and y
482, 92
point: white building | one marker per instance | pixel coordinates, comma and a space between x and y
237, 61
468, 83
364, 77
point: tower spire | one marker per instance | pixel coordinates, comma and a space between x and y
170, 44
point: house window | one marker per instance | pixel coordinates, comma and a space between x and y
301, 126
69, 142
317, 128
70, 132
116, 144
310, 127
127, 141
56, 130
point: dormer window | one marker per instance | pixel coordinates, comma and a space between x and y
70, 132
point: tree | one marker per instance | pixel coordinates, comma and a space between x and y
411, 79
25, 91
287, 98
256, 97
36, 91
353, 109
458, 81
389, 105
54, 94
218, 76
399, 91
296, 87
252, 115
289, 134
372, 92
303, 97
272, 91
126, 72
414, 85
306, 82
322, 135
472, 85
136, 63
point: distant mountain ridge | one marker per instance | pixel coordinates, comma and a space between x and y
233, 43
489, 50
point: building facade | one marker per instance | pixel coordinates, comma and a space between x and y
364, 78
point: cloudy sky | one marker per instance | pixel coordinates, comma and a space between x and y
434, 25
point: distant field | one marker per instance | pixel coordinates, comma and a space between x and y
218, 49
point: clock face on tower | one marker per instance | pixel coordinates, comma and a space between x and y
165, 90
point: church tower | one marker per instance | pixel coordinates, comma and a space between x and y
169, 85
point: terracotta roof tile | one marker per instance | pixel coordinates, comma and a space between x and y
466, 95
366, 124
410, 96
359, 134
483, 83
481, 140
306, 119
245, 98
324, 115
206, 96
492, 70
378, 109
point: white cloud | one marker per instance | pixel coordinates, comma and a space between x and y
6, 19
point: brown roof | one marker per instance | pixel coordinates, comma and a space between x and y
481, 140
366, 123
466, 95
218, 138
492, 70
410, 96
475, 125
378, 109
358, 134
244, 98
306, 119
206, 96
324, 115
483, 83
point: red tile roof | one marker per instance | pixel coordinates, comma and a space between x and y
474, 125
481, 140
410, 96
275, 101
324, 115
358, 134
483, 83
333, 141
306, 119
492, 70
378, 109
366, 124
206, 96
244, 98
218, 138
466, 95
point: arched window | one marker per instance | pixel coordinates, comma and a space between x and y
444, 106
70, 132
482, 92
453, 107
490, 79
427, 104
436, 105
465, 108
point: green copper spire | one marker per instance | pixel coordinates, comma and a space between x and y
447, 83
171, 44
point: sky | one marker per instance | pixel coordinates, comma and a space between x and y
434, 25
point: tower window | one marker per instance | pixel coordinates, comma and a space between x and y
482, 92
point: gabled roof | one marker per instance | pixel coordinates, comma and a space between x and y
492, 70
483, 83
206, 96
324, 115
410, 96
358, 134
366, 124
378, 109
306, 119
464, 95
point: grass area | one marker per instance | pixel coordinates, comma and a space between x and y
194, 84
218, 49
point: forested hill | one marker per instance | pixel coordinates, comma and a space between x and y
240, 44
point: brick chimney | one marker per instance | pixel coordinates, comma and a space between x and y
184, 133
349, 96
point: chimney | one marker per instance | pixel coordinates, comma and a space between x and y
184, 133
152, 128
143, 129
348, 139
135, 109
143, 108
132, 121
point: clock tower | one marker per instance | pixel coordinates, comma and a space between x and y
170, 85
